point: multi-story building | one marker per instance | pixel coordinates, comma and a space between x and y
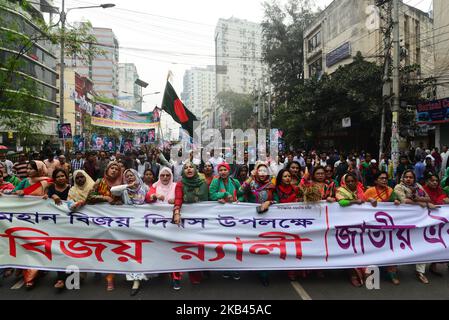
344, 28
238, 54
37, 64
441, 38
130, 96
77, 100
199, 92
103, 69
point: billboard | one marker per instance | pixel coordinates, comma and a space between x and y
65, 131
109, 116
433, 112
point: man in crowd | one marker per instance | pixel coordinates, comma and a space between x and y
51, 163
7, 163
78, 162
103, 162
20, 167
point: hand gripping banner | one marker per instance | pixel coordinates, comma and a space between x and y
37, 234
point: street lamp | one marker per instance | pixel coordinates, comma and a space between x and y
62, 64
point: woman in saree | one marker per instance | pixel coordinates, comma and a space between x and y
381, 192
351, 192
14, 180
318, 188
286, 192
411, 192
191, 189
5, 186
258, 188
36, 184
438, 197
102, 193
133, 192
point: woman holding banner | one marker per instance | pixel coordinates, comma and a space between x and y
163, 191
381, 192
12, 179
102, 193
317, 189
58, 193
191, 189
438, 197
80, 191
411, 192
286, 191
259, 189
224, 188
36, 185
133, 192
351, 192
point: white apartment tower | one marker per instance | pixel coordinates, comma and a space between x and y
103, 69
238, 54
129, 91
199, 92
238, 51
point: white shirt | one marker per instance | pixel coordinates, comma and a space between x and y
444, 157
301, 161
275, 168
9, 165
177, 172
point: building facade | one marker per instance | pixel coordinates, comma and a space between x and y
348, 26
130, 96
441, 38
238, 54
103, 69
37, 64
199, 92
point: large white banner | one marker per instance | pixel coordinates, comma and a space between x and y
35, 233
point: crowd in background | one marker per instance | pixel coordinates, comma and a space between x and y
149, 176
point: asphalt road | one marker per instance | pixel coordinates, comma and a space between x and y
334, 286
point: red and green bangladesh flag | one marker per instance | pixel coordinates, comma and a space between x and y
174, 107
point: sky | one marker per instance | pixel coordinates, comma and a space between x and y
171, 35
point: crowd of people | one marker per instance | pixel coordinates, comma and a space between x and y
148, 176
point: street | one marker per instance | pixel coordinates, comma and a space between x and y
335, 286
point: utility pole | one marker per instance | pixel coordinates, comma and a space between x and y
62, 67
396, 87
386, 91
269, 107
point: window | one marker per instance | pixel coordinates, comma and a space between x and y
315, 68
314, 42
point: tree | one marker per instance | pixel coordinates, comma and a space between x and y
240, 106
354, 90
23, 106
283, 45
